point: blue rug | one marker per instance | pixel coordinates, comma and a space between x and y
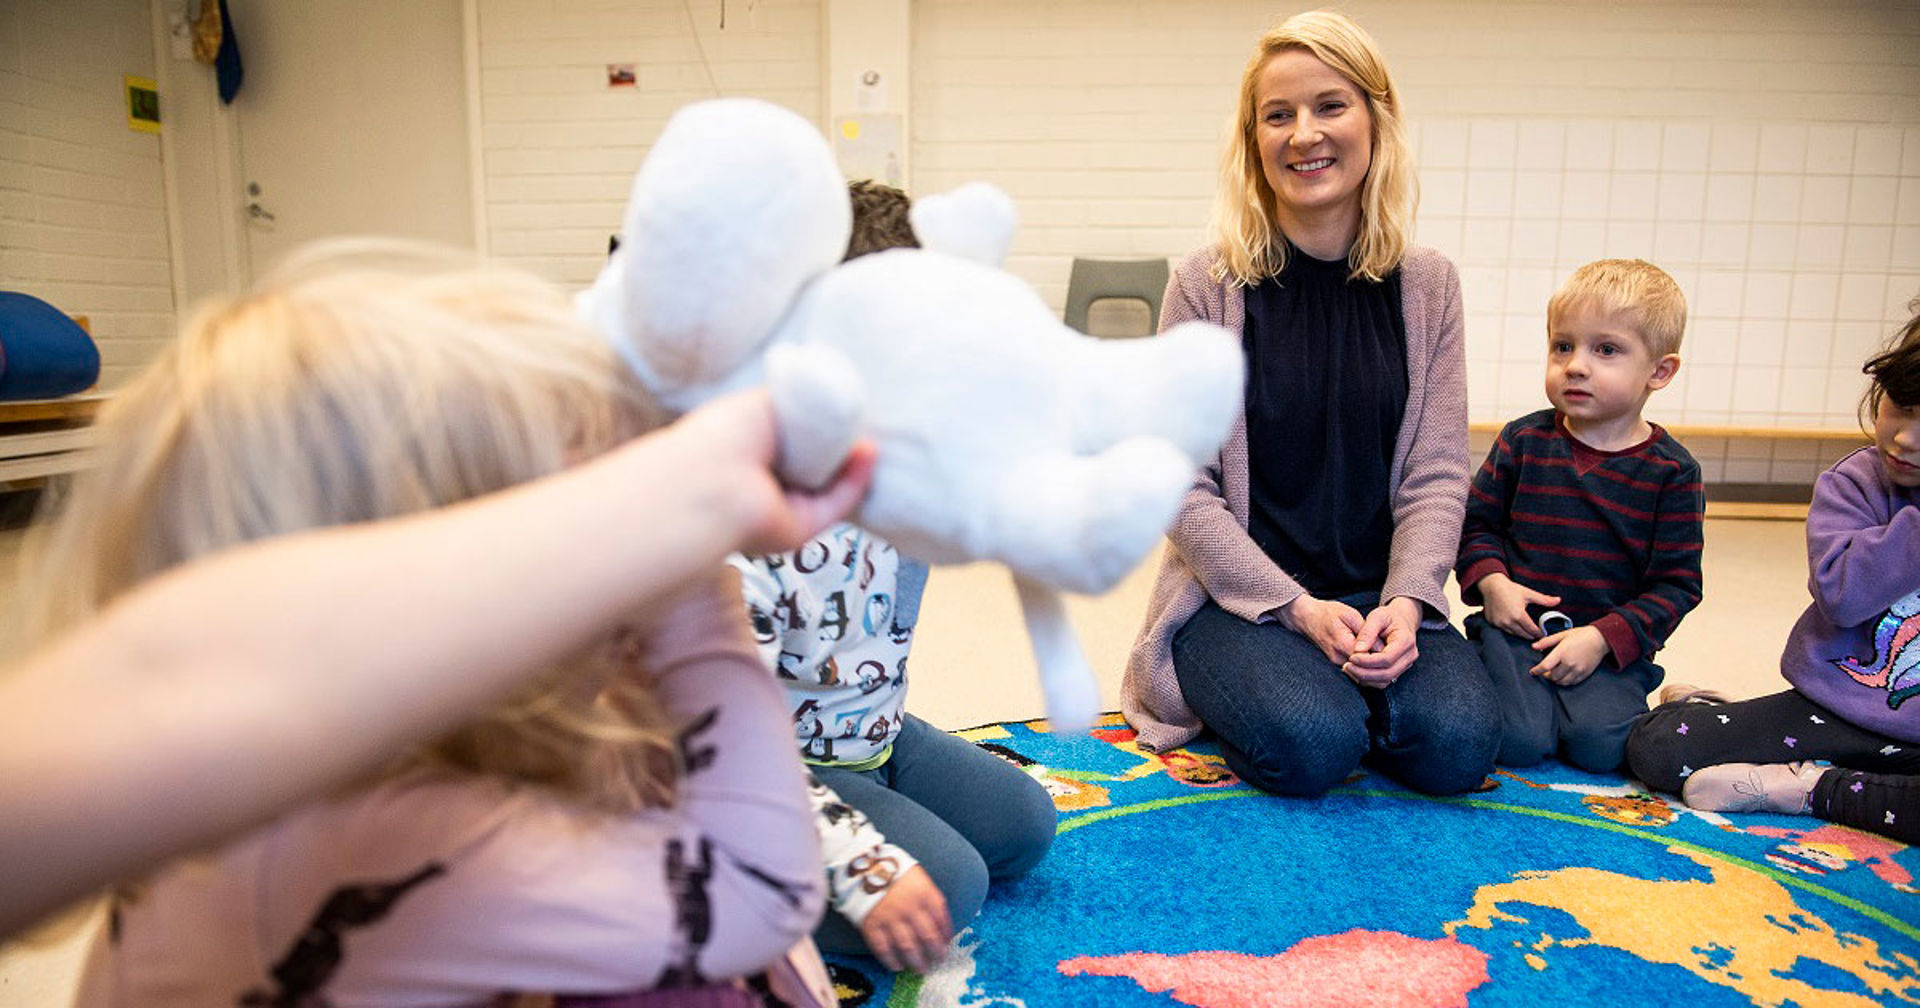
1171, 883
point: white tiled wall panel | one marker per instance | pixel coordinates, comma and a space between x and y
82, 218
1768, 155
1788, 293
560, 146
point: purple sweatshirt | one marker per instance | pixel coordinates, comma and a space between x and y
1856, 650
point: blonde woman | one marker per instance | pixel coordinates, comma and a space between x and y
1300, 616
633, 816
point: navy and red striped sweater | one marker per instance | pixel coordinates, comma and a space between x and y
1617, 535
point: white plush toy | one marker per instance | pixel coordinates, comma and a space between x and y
1002, 434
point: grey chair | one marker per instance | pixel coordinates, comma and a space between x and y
1093, 280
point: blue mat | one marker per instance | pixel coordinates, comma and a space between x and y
1170, 883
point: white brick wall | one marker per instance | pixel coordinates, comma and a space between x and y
1768, 155
561, 147
82, 219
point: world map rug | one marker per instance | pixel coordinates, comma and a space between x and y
1172, 883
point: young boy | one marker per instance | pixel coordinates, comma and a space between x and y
1583, 530
913, 822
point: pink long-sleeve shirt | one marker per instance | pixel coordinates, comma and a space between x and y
445, 888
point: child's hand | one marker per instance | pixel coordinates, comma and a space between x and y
909, 927
737, 435
1572, 655
1506, 602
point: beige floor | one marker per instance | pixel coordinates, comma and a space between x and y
971, 665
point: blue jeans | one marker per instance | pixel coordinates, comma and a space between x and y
967, 815
1586, 723
1289, 721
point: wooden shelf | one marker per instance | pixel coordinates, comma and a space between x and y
46, 437
80, 408
1756, 511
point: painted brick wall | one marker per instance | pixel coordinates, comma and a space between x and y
561, 147
82, 219
1768, 155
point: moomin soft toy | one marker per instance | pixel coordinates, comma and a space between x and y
1002, 434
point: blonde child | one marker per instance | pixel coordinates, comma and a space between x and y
630, 818
1852, 662
1590, 513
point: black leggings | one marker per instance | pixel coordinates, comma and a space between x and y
1874, 784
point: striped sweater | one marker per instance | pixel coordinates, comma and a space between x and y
1617, 535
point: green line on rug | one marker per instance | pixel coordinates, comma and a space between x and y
1873, 913
906, 990
1089, 818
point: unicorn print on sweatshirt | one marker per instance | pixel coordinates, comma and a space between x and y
1895, 663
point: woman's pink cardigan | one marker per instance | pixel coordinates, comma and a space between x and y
1212, 555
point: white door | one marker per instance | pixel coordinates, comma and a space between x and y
352, 119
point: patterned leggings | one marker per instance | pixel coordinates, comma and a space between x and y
1874, 783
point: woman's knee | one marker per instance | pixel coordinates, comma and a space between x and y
1447, 751
1447, 772
1297, 763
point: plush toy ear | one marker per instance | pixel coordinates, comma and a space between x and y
737, 207
975, 221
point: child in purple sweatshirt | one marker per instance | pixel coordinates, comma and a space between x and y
1843, 743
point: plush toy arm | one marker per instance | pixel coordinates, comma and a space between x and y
1081, 522
1066, 680
820, 402
1184, 385
975, 221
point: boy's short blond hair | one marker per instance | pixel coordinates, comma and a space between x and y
1635, 288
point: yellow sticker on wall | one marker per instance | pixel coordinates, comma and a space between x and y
143, 104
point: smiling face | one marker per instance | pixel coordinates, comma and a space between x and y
1896, 436
1314, 131
1600, 370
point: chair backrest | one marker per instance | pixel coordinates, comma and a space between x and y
1098, 279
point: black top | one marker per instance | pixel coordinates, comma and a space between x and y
1326, 390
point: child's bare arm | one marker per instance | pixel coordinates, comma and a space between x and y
232, 688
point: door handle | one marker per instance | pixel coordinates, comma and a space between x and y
257, 212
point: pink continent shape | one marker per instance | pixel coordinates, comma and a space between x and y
1379, 969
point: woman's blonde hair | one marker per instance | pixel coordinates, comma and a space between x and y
365, 379
1252, 247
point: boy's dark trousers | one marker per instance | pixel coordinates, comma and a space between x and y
1585, 724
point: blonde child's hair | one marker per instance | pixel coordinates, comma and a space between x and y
1252, 247
1638, 290
366, 379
